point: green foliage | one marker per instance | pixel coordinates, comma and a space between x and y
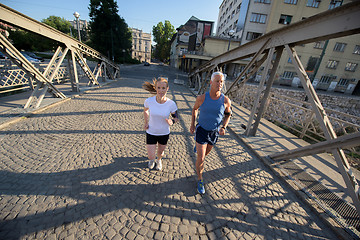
59, 23
163, 33
29, 41
109, 33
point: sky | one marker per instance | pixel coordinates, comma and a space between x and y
140, 14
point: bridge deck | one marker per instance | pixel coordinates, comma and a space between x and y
79, 170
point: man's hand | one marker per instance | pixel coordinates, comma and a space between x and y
192, 128
222, 131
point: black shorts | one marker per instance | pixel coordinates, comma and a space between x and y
152, 139
203, 136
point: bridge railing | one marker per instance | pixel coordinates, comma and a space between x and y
74, 50
13, 79
300, 118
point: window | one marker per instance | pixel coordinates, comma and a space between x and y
311, 63
319, 45
252, 35
332, 64
285, 19
351, 67
262, 1
343, 82
313, 3
357, 49
238, 8
335, 4
325, 79
288, 75
339, 47
258, 18
233, 14
291, 1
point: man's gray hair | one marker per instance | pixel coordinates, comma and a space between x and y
217, 74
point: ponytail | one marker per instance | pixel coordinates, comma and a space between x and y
151, 87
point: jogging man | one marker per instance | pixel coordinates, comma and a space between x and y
215, 112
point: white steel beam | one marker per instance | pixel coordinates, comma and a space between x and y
337, 22
326, 126
22, 21
348, 141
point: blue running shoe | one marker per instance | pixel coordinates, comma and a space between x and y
200, 187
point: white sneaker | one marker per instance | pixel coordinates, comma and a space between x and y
151, 164
158, 165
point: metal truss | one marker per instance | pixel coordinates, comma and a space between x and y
338, 22
37, 79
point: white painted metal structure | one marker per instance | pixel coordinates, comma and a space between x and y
44, 79
338, 22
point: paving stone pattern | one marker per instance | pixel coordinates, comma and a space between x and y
79, 171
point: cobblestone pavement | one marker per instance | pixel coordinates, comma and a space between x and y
79, 171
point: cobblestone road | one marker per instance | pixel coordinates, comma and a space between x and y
79, 171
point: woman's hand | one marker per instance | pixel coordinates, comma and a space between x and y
169, 121
146, 126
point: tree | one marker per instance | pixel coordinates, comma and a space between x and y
162, 36
59, 23
109, 33
30, 41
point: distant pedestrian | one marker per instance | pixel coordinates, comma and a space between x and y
215, 109
157, 121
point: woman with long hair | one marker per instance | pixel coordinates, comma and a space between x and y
157, 121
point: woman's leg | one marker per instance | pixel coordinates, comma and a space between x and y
160, 150
151, 150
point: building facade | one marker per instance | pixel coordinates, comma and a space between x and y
331, 65
141, 45
83, 25
188, 39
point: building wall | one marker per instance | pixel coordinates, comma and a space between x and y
215, 46
263, 16
256, 20
83, 24
228, 17
141, 45
330, 79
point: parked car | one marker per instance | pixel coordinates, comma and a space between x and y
146, 64
33, 55
33, 60
2, 56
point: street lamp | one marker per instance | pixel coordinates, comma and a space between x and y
77, 15
230, 33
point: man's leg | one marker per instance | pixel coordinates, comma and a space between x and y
208, 149
201, 153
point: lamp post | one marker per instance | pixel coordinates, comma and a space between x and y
230, 33
77, 15
123, 51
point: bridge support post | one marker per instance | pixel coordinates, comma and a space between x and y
325, 124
